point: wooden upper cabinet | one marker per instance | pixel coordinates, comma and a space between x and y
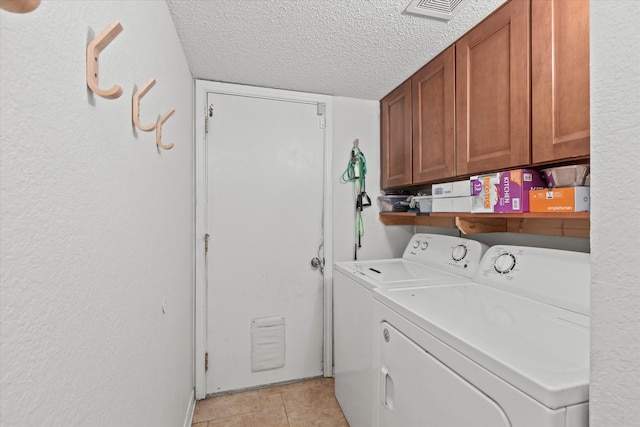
395, 138
560, 79
433, 97
492, 92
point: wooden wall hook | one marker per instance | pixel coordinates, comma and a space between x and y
159, 130
94, 48
136, 106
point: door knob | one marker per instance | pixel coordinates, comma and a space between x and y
316, 262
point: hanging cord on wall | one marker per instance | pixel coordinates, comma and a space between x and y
356, 172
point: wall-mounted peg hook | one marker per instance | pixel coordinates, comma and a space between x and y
94, 48
159, 130
136, 106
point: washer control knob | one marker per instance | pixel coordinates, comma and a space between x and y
459, 252
416, 243
504, 263
424, 246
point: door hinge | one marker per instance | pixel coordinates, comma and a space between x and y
206, 243
206, 118
206, 362
320, 112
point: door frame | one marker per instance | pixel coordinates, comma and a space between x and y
202, 88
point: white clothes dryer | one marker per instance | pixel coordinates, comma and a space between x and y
428, 259
508, 348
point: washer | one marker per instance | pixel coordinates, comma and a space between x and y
508, 348
428, 259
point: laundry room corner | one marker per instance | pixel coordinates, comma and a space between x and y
360, 119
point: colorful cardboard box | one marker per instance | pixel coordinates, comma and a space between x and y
504, 192
560, 199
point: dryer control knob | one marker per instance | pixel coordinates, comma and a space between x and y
424, 246
416, 243
459, 252
504, 263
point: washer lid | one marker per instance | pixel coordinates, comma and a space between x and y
538, 348
396, 272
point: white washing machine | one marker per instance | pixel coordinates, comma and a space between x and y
427, 260
508, 348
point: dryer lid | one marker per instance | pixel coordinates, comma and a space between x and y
538, 348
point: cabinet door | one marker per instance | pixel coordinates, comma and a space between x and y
395, 138
560, 79
492, 92
433, 97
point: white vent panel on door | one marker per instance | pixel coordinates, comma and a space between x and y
267, 343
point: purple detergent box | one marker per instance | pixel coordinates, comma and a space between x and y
504, 192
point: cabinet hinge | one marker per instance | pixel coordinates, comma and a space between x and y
206, 243
206, 362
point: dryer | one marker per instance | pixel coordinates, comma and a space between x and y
508, 348
428, 259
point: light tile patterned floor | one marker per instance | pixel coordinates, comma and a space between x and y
302, 404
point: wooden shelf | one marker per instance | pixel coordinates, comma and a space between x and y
552, 224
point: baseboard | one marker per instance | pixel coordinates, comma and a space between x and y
260, 386
188, 420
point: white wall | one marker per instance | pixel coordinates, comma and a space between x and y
96, 223
615, 215
356, 118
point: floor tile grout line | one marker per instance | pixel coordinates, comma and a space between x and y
286, 413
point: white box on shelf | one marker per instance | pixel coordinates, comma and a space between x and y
424, 203
452, 204
451, 189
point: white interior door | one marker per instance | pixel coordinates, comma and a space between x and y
264, 214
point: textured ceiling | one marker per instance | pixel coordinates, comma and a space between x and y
352, 48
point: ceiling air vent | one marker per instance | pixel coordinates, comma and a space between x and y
441, 9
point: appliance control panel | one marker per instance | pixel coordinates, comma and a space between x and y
557, 277
506, 263
449, 253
